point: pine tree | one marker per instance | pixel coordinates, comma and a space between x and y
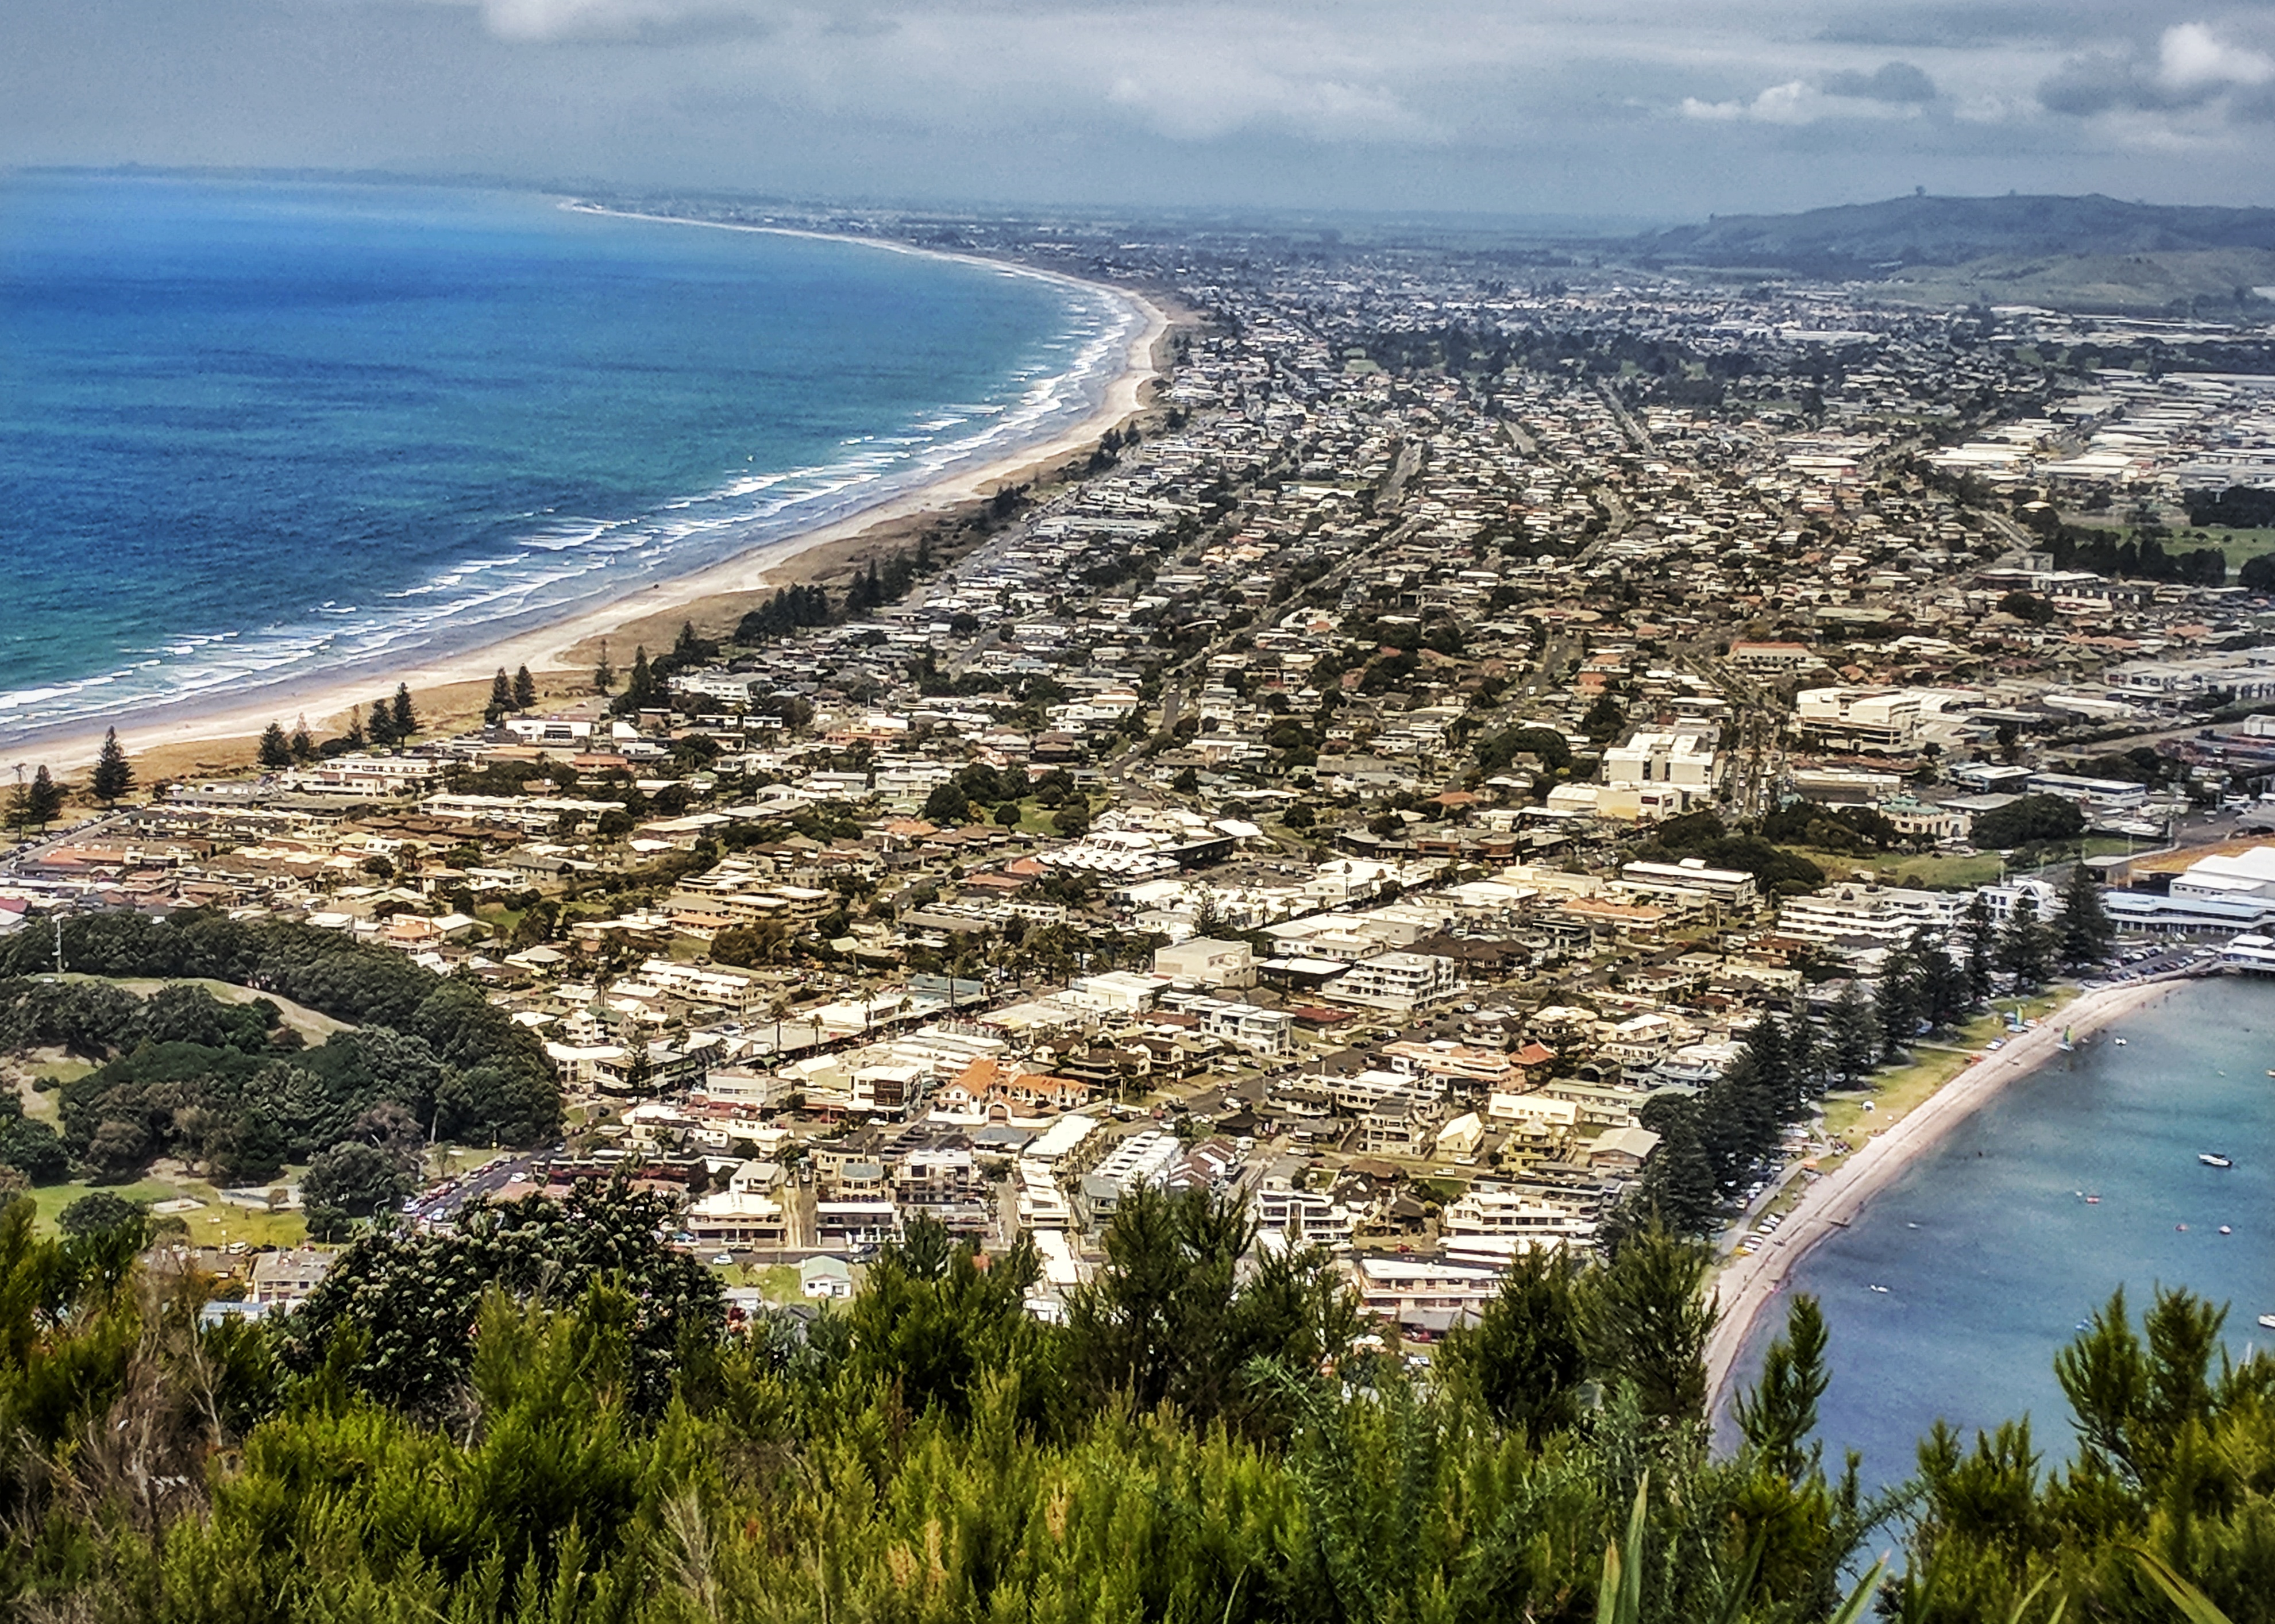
302, 743
354, 736
44, 800
381, 726
406, 719
500, 696
1897, 1002
1855, 1037
113, 775
47, 799
604, 674
1982, 945
275, 750
2085, 930
19, 807
1941, 983
524, 690
1780, 1410
2026, 949
640, 686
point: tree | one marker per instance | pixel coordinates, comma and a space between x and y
353, 1180
1526, 1356
354, 738
1780, 1410
2085, 933
639, 1070
524, 688
302, 743
275, 750
501, 698
2031, 820
43, 799
99, 1210
1649, 1322
381, 726
404, 718
1854, 1037
604, 674
113, 776
1981, 934
1896, 1002
2026, 948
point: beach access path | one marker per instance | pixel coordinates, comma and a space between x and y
1748, 1286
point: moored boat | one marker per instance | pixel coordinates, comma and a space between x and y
2212, 1160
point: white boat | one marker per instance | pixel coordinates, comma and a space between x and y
2211, 1160
2267, 1321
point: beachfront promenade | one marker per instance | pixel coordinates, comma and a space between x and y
1747, 1285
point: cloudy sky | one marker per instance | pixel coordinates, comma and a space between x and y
1658, 109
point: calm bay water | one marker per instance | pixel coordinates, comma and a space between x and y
251, 431
1990, 1256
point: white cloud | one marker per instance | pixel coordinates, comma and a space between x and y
2190, 57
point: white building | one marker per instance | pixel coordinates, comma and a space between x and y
1861, 719
1657, 775
1396, 981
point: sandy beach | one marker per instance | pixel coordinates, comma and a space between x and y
1748, 1286
165, 741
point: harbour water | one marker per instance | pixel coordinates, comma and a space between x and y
254, 431
1990, 1252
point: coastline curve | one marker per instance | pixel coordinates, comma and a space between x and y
1747, 1286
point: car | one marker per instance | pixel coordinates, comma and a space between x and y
723, 1259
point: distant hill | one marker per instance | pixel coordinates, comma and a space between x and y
1875, 238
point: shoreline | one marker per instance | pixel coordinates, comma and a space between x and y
1745, 1289
551, 647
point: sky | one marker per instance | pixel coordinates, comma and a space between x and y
1629, 110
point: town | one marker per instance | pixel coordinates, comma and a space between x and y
1496, 745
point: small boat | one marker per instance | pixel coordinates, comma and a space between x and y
2067, 1042
2183, 1228
2093, 1201
2120, 1042
2211, 1160
1883, 1290
2267, 1322
2223, 1229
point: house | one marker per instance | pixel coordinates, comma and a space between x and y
825, 1277
284, 1278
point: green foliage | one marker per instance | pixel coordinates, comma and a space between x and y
98, 1211
394, 1319
113, 775
2024, 821
456, 1060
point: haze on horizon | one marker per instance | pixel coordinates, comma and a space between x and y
1566, 107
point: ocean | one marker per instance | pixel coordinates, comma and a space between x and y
1990, 1254
254, 432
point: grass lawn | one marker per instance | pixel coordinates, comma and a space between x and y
1895, 1090
214, 1225
313, 1027
2241, 546
1936, 872
779, 1280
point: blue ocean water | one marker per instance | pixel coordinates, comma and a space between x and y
1990, 1254
257, 431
